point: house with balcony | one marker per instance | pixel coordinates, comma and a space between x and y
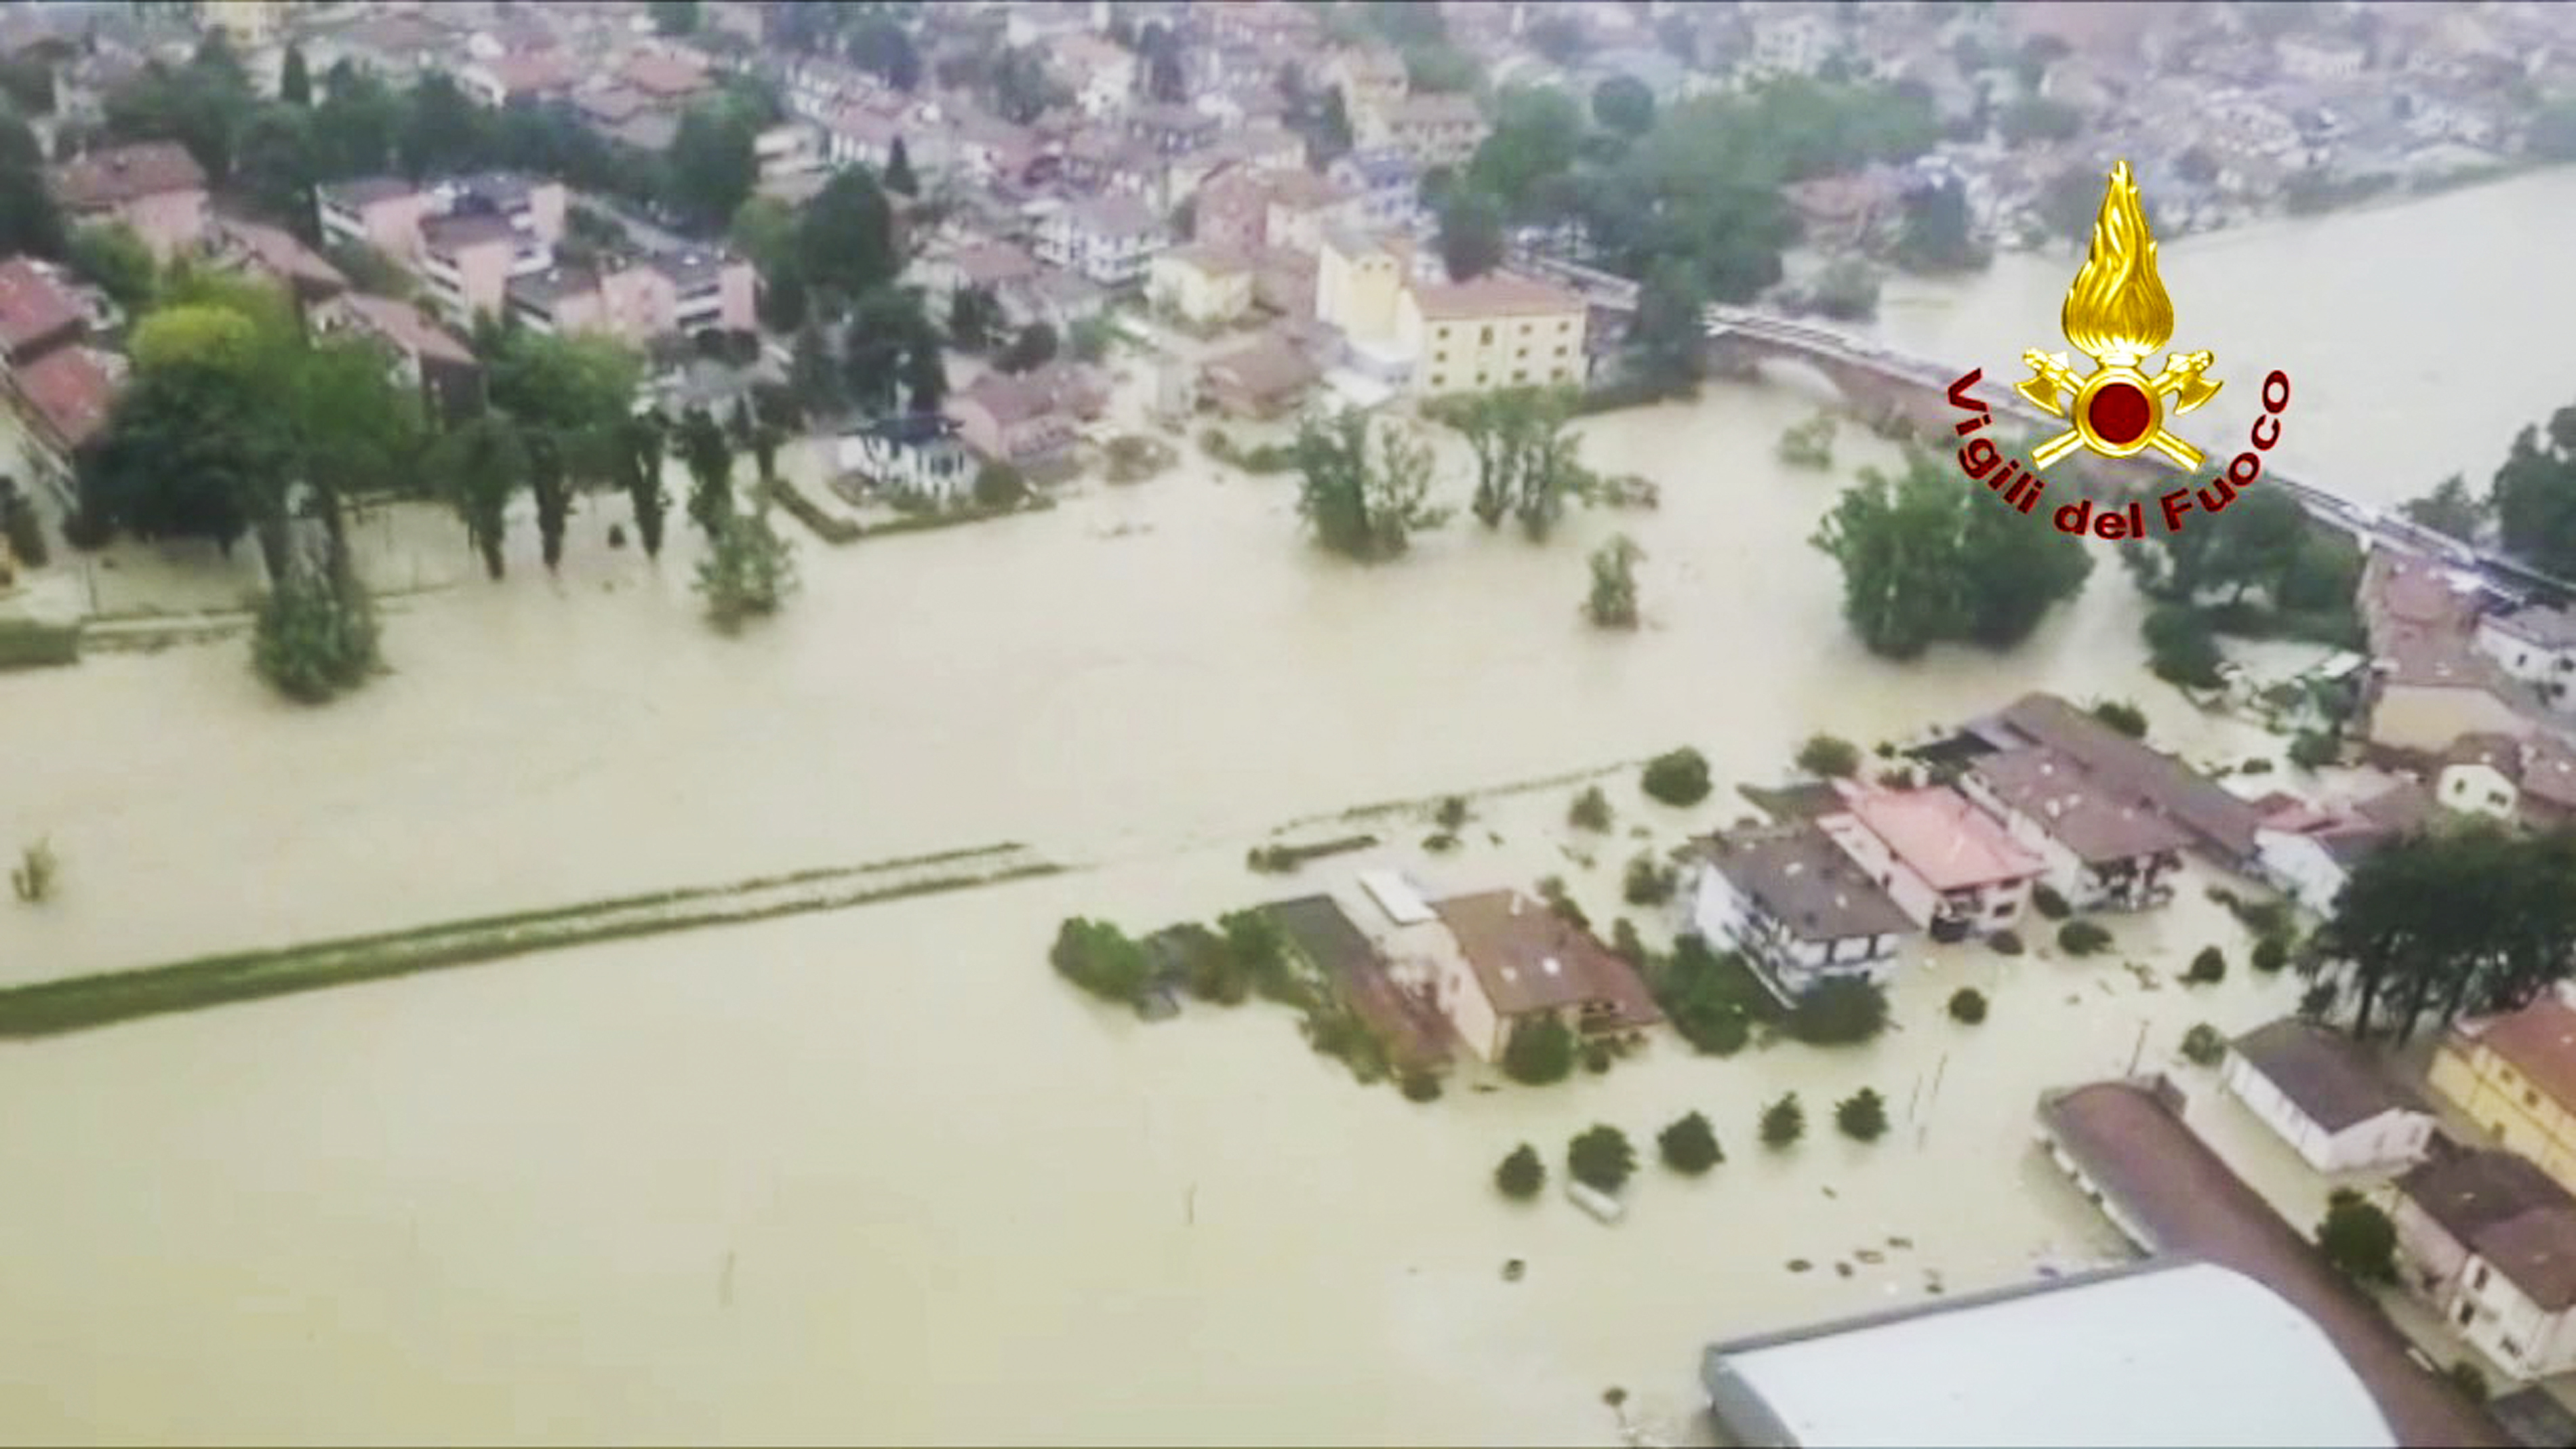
1202, 285
274, 252
1439, 128
2309, 852
1109, 239
1947, 864
1796, 904
155, 187
2221, 825
640, 299
468, 262
372, 211
2106, 850
1386, 182
914, 456
2490, 1241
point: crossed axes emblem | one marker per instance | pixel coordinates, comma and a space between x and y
2181, 380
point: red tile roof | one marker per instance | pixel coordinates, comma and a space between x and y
34, 313
109, 178
70, 392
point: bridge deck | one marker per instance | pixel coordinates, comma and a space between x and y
2367, 522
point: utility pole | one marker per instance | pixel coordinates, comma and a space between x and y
2139, 1050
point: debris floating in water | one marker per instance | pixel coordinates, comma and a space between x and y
1799, 1265
1512, 1270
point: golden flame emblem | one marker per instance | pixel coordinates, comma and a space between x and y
2117, 313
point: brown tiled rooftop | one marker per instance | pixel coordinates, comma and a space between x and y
2539, 1041
1531, 959
34, 313
126, 173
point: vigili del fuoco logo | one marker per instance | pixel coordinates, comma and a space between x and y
2118, 315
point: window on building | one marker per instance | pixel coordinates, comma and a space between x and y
1443, 333
2479, 1278
2511, 1348
1521, 352
2468, 1314
1488, 335
1483, 378
1520, 374
1560, 349
2530, 1098
1439, 380
1565, 324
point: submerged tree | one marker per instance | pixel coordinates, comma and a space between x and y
709, 459
482, 464
1363, 502
640, 462
1613, 601
748, 570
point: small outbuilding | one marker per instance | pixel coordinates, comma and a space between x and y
2325, 1096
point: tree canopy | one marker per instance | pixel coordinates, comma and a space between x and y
1929, 556
2534, 497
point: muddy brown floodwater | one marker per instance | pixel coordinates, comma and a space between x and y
875, 1175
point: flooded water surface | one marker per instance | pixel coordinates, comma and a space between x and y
876, 1175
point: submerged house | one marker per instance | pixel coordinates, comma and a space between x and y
1519, 961
1798, 907
1947, 864
2320, 1090
2104, 850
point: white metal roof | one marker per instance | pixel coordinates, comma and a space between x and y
1396, 896
2181, 1354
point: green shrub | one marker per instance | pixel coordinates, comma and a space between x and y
2006, 942
1839, 1011
1677, 778
1421, 1086
34, 875
1552, 890
1828, 757
1596, 1057
2045, 899
2358, 1238
2271, 953
2202, 1046
1783, 1122
2314, 750
1591, 810
1968, 1006
1601, 1157
2208, 968
2082, 938
2469, 1379
1521, 1174
1626, 944
2317, 1000
2120, 715
1452, 814
750, 570
1689, 1145
1099, 958
1650, 882
1540, 1052
1209, 970
1862, 1116
312, 639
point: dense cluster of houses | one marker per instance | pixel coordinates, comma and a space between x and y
2043, 793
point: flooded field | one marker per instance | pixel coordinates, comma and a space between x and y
875, 1175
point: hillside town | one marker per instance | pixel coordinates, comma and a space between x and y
694, 306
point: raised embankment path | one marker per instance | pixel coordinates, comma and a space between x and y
72, 1004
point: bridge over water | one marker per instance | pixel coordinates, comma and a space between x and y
1887, 384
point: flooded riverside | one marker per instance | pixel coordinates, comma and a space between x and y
879, 1175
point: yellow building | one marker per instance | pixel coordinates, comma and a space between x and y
1201, 285
248, 24
1359, 280
2515, 1076
1498, 330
